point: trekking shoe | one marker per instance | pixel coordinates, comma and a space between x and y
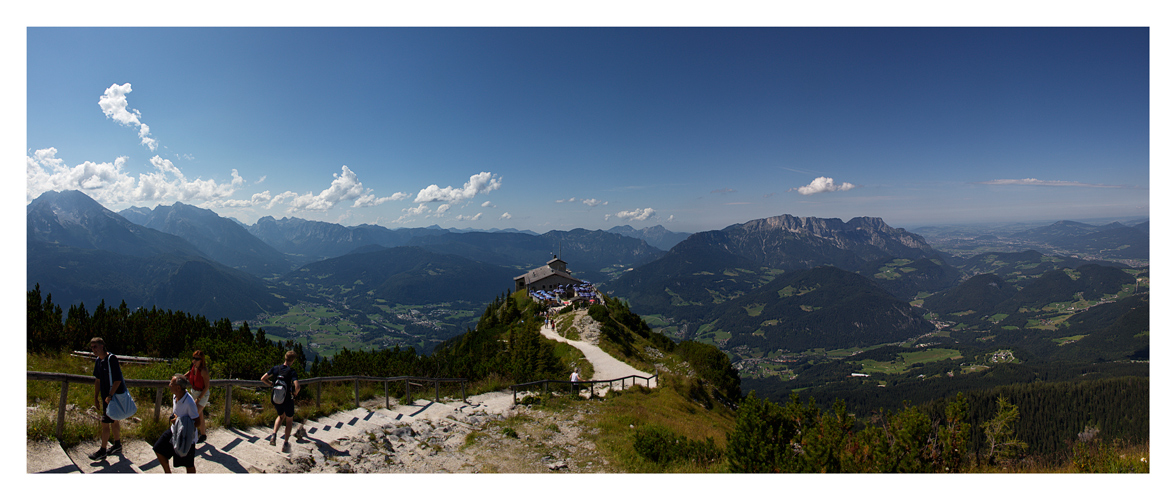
98, 455
115, 448
202, 438
274, 440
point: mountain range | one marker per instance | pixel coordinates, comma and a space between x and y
81, 252
657, 236
769, 282
189, 258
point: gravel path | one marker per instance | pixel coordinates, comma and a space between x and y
605, 367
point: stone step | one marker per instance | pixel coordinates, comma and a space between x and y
242, 451
115, 463
47, 457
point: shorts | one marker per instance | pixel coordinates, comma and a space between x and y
201, 402
163, 447
286, 408
106, 418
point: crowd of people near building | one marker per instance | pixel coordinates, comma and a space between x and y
567, 295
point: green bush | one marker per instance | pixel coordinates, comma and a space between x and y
662, 446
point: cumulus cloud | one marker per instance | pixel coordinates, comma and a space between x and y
637, 215
110, 184
592, 202
370, 200
419, 209
345, 187
1038, 182
569, 200
114, 105
823, 185
483, 182
487, 204
505, 215
442, 209
469, 218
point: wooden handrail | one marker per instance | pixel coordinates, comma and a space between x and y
228, 384
591, 383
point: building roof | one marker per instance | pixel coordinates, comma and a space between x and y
540, 273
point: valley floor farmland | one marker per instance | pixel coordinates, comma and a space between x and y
325, 329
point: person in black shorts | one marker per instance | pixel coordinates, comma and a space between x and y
182, 405
283, 379
108, 381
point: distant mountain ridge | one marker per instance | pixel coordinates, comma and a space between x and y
222, 239
314, 240
79, 251
71, 218
656, 236
712, 266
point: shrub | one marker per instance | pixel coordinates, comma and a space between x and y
660, 445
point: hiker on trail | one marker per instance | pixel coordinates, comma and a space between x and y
284, 381
108, 381
200, 377
178, 442
575, 380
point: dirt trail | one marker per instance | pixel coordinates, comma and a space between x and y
605, 366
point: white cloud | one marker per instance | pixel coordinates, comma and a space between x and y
483, 182
569, 200
823, 185
442, 209
370, 200
281, 198
487, 204
420, 209
469, 218
505, 215
110, 184
592, 202
1038, 182
634, 215
114, 105
345, 187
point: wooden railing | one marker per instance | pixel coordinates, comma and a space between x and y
590, 383
161, 387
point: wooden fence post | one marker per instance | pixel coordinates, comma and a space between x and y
407, 391
158, 401
386, 395
436, 391
228, 404
357, 392
61, 408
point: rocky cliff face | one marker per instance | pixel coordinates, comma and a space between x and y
796, 242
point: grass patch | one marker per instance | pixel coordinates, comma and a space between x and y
622, 415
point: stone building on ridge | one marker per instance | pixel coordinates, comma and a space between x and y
547, 277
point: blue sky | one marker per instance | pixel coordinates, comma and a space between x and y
542, 128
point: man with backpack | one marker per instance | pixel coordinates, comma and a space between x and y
284, 382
